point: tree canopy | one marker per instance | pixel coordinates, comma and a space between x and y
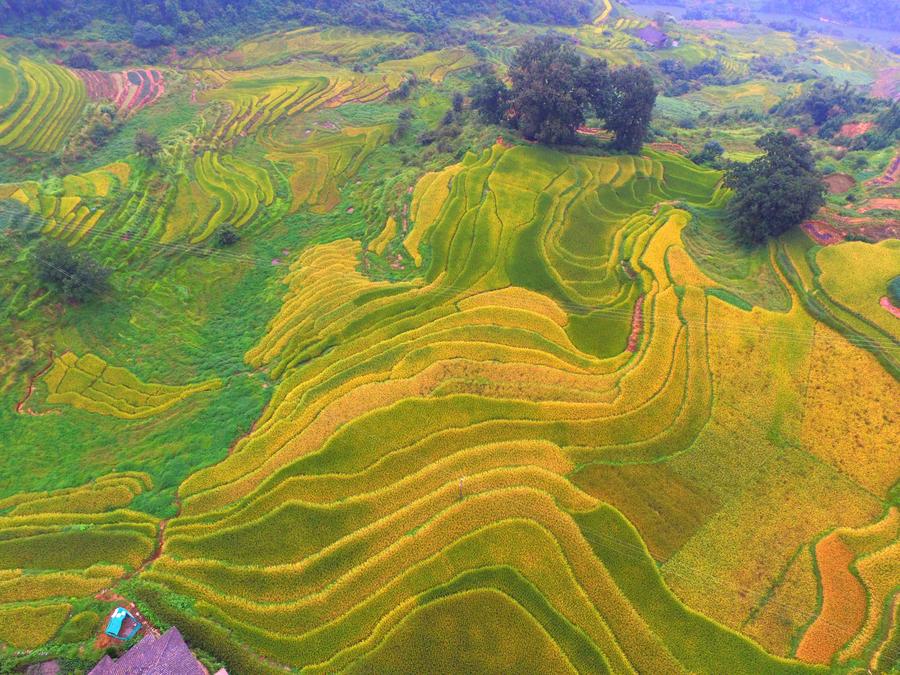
156, 22
76, 276
774, 192
551, 89
631, 108
146, 144
554, 89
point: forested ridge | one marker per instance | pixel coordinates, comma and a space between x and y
164, 21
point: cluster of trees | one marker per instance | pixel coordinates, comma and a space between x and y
554, 89
711, 154
682, 78
823, 101
151, 23
829, 106
776, 191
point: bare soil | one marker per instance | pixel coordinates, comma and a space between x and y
839, 183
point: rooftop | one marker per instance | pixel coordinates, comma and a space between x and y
153, 655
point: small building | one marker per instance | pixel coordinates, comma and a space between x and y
167, 654
122, 624
653, 36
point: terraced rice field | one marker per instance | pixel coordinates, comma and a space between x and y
73, 213
486, 384
40, 118
88, 382
61, 545
129, 90
321, 160
337, 42
538, 386
254, 100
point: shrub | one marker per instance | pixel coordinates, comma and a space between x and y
82, 61
146, 144
76, 276
227, 235
79, 628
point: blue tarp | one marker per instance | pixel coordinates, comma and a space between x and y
118, 617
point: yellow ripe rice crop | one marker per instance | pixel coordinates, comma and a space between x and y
53, 102
30, 587
856, 275
852, 433
789, 607
323, 161
448, 634
380, 243
89, 383
29, 626
434, 66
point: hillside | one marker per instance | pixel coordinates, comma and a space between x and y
312, 350
168, 22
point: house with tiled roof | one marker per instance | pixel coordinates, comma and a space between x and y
653, 36
155, 655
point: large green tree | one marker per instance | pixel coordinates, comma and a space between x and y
549, 89
774, 192
490, 98
554, 89
631, 107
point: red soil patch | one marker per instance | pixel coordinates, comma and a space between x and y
637, 324
103, 640
831, 228
839, 183
854, 129
796, 132
676, 148
130, 90
843, 603
887, 84
885, 203
503, 143
889, 177
822, 233
889, 306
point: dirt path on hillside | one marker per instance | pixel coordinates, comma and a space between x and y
32, 385
637, 325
